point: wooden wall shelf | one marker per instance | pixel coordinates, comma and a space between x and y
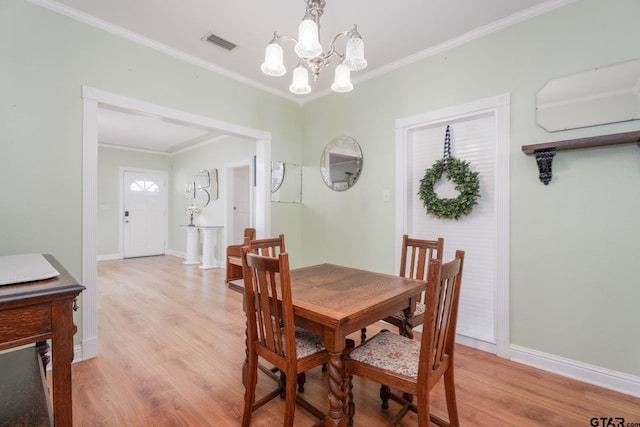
545, 151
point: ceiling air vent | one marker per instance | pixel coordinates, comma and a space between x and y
219, 41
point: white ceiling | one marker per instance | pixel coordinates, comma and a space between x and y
395, 32
148, 132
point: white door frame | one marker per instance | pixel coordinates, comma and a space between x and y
499, 106
92, 100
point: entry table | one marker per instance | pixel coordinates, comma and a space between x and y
32, 312
209, 245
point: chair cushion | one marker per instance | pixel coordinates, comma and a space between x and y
391, 352
307, 343
419, 310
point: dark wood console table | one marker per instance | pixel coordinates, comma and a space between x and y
33, 312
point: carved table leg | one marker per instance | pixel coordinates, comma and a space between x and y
408, 324
347, 385
337, 398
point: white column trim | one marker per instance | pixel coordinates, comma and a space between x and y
89, 221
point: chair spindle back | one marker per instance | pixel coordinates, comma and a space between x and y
271, 247
269, 305
443, 294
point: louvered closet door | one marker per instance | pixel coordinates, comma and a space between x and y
472, 139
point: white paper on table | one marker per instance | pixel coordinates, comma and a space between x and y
25, 268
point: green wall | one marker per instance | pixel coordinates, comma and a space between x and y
185, 165
573, 244
46, 59
573, 285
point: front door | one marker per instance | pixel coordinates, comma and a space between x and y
145, 213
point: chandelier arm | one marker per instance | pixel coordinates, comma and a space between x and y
332, 49
286, 38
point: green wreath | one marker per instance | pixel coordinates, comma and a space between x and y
466, 182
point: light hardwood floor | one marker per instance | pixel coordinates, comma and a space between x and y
171, 347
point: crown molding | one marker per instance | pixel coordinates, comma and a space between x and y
160, 47
467, 37
137, 38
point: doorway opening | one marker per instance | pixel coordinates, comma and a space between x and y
93, 100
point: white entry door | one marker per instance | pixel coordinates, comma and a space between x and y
145, 213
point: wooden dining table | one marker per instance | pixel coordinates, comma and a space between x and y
334, 301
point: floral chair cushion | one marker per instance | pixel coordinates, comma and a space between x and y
307, 343
391, 352
419, 310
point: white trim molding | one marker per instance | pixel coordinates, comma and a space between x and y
602, 377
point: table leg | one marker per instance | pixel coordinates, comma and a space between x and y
408, 323
337, 395
62, 356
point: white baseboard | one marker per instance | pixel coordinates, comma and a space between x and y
77, 353
476, 343
110, 257
87, 350
591, 374
176, 253
607, 378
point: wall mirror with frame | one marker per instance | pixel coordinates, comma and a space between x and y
202, 179
286, 182
277, 175
204, 187
213, 184
603, 95
341, 163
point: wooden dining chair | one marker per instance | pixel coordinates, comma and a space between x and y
271, 246
414, 259
234, 256
414, 367
272, 335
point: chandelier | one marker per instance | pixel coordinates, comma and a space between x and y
312, 57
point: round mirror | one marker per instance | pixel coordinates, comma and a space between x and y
277, 175
341, 163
